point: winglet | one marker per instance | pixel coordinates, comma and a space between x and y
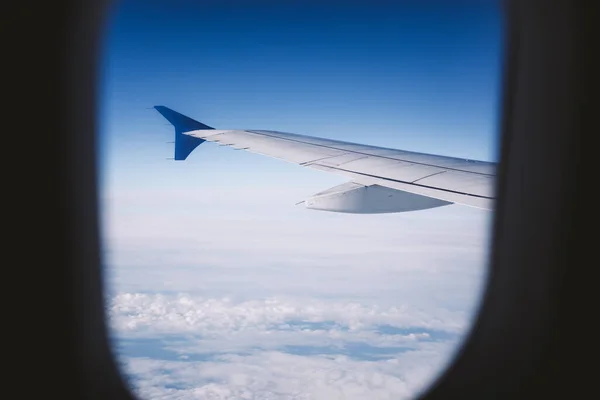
184, 144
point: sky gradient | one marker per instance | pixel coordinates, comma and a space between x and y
420, 76
218, 286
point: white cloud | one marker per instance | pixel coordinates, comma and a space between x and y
150, 315
213, 298
276, 375
282, 348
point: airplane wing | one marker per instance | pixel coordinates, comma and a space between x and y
382, 180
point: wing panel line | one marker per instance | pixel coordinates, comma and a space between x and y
373, 155
427, 176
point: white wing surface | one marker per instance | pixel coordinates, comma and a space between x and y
381, 179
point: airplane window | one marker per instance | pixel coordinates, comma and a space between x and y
296, 196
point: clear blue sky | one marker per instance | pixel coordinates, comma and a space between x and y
420, 75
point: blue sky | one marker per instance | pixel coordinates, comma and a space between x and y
217, 282
419, 76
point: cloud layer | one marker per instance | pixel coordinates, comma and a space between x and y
263, 300
180, 346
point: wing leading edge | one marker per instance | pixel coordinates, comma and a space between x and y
383, 180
